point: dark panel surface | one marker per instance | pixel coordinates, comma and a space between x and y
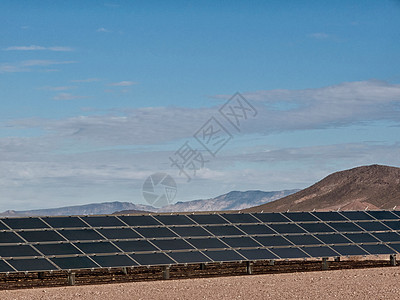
97, 247
240, 242
57, 249
286, 228
150, 259
257, 254
378, 249
110, 261
155, 232
387, 236
80, 234
329, 216
395, 225
175, 244
9, 237
103, 221
356, 215
322, 251
256, 229
188, 231
223, 255
189, 257
139, 220
41, 236
271, 217
119, 233
38, 264
17, 251
289, 252
207, 243
25, 223
64, 222
345, 227
240, 218
4, 267
208, 219
174, 220
135, 246
80, 262
349, 250
3, 226
334, 238
383, 215
300, 216
361, 237
373, 226
316, 227
223, 230
270, 241
303, 239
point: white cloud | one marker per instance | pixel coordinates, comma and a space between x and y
39, 48
102, 29
57, 88
29, 65
68, 96
123, 83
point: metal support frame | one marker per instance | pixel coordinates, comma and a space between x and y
71, 278
271, 262
125, 270
166, 272
325, 265
337, 258
202, 266
249, 267
392, 259
41, 275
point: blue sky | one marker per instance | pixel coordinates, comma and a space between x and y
97, 95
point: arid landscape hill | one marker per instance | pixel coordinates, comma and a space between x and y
372, 187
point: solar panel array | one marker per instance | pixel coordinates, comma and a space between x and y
87, 242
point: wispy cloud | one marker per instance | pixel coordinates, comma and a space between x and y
87, 80
68, 96
123, 83
57, 88
39, 48
102, 29
29, 65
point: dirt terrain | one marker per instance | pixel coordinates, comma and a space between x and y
374, 283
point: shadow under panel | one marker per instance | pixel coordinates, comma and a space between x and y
174, 219
64, 222
257, 254
189, 257
32, 264
25, 223
113, 261
152, 259
78, 262
41, 236
119, 233
57, 249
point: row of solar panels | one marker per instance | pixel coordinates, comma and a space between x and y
59, 243
193, 219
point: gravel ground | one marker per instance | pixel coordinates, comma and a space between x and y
376, 283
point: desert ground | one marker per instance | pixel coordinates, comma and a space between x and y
374, 283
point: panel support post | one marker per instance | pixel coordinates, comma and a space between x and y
337, 258
271, 262
325, 264
392, 259
202, 266
124, 270
249, 267
41, 275
71, 278
166, 272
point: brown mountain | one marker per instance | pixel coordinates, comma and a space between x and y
375, 187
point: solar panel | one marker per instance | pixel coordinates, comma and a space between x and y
286, 228
208, 219
271, 217
41, 236
240, 218
139, 220
86, 242
64, 222
186, 231
300, 216
175, 244
289, 252
240, 242
256, 229
149, 259
223, 255
9, 237
356, 215
329, 216
189, 257
32, 264
319, 251
57, 249
257, 254
25, 223
80, 234
303, 239
174, 220
77, 262
108, 261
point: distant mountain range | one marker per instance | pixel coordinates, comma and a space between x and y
231, 201
365, 187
